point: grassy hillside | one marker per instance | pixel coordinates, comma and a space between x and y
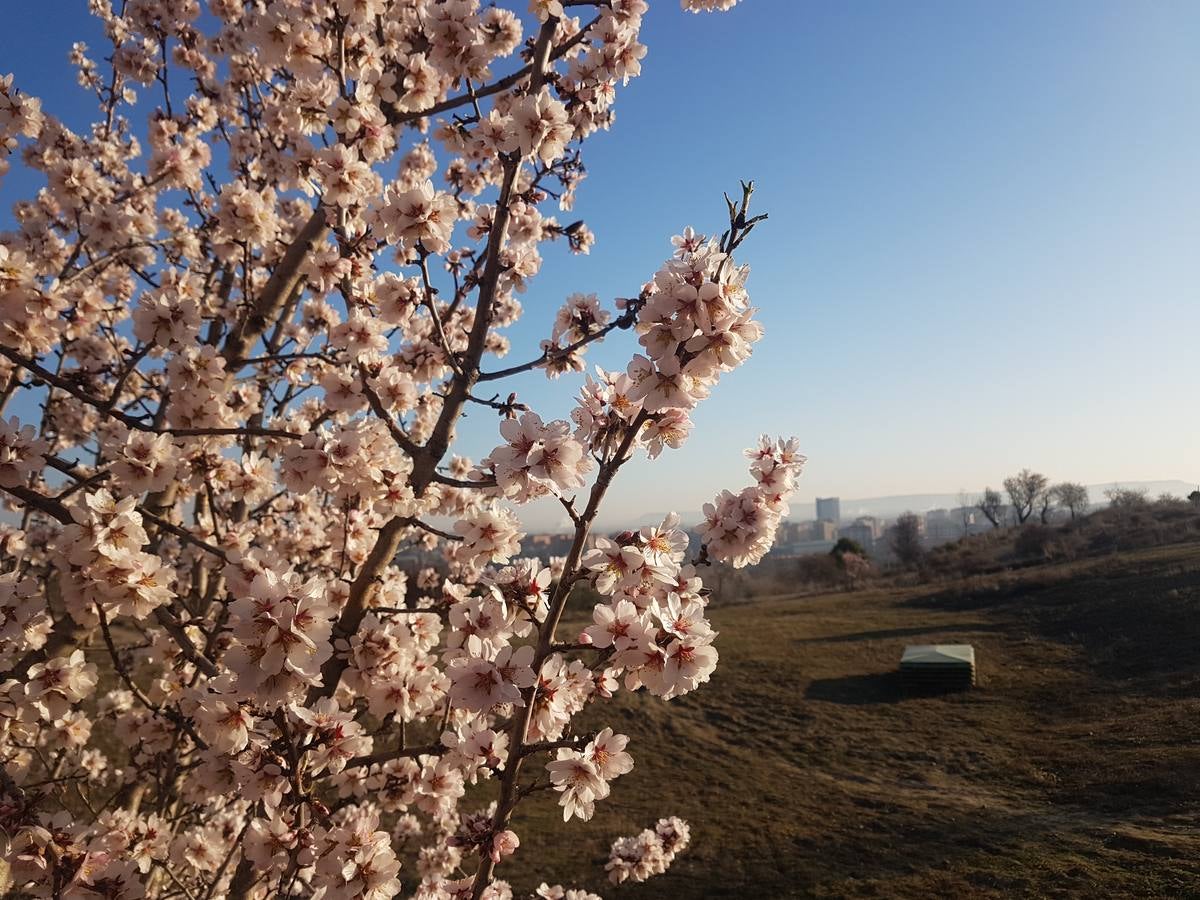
1073, 769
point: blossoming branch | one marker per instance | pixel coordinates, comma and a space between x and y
240, 322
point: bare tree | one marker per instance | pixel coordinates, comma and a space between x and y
1071, 496
1024, 489
1045, 503
966, 511
1126, 498
992, 506
906, 539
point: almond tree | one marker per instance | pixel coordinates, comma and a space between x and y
1024, 491
242, 320
991, 504
1071, 495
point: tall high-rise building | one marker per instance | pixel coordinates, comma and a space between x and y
829, 509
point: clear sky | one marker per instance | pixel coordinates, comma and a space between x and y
983, 250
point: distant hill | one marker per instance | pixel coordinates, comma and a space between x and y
892, 506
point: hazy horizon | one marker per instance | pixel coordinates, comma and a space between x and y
547, 515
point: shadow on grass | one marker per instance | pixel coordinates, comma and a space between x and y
912, 631
857, 690
989, 595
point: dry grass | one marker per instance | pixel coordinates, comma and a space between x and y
1073, 769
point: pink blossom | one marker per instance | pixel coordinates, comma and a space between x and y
479, 684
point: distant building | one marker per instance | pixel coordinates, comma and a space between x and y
822, 530
790, 533
802, 538
942, 525
829, 509
862, 533
872, 522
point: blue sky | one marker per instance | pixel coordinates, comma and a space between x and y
983, 250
